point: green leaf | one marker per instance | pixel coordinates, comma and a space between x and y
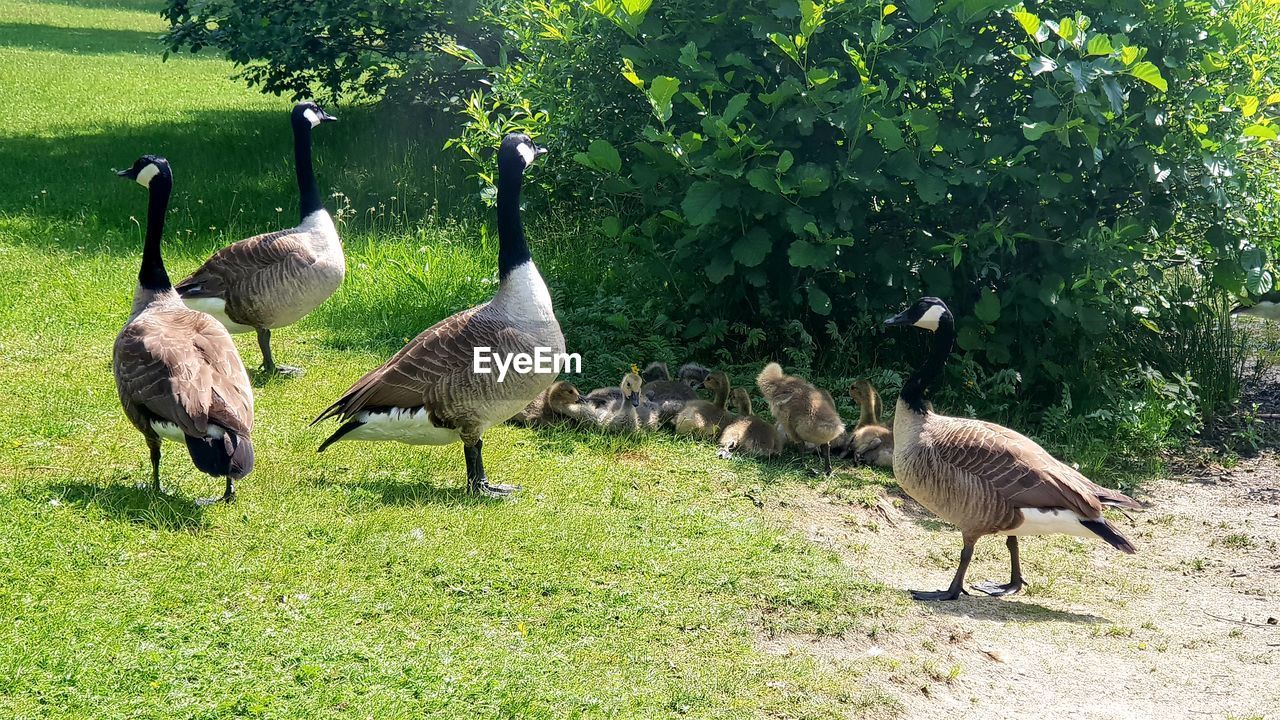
719, 267
787, 45
701, 202
636, 8
734, 106
819, 301
1036, 130
1043, 65
1067, 29
661, 90
1263, 132
1128, 54
604, 156
611, 226
629, 72
763, 180
1029, 22
1099, 45
1248, 104
751, 249
888, 10
1147, 72
689, 55
931, 189
803, 253
988, 307
785, 161
887, 132
1258, 281
920, 10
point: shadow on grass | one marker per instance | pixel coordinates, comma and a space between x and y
147, 6
135, 505
410, 491
78, 41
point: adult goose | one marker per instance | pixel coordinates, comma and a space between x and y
177, 371
983, 478
273, 280
429, 393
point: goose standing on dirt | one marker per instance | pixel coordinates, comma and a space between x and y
273, 280
805, 414
429, 392
984, 478
177, 370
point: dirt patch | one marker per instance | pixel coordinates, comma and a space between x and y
1183, 629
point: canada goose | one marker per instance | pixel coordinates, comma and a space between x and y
804, 413
983, 478
177, 370
748, 434
630, 412
869, 441
430, 392
1266, 306
706, 419
273, 280
668, 395
559, 403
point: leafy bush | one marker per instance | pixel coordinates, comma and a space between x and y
360, 48
1045, 168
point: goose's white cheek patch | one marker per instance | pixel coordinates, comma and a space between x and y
929, 320
148, 173
311, 117
528, 153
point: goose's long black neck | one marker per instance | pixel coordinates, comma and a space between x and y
913, 391
513, 250
152, 275
308, 191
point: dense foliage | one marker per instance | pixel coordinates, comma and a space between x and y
1085, 181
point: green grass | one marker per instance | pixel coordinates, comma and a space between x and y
629, 580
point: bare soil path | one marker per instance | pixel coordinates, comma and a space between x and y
1187, 628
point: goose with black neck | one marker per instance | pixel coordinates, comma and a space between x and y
435, 390
272, 280
984, 478
177, 371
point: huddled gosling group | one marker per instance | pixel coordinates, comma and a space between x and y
806, 416
180, 378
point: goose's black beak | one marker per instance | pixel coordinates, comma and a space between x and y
635, 399
127, 173
326, 117
539, 151
899, 320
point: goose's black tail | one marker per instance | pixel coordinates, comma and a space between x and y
228, 456
1108, 532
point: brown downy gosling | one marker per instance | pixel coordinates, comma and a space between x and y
631, 412
560, 403
748, 434
870, 442
706, 419
804, 413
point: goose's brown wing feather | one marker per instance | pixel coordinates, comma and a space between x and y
181, 366
249, 262
1018, 470
433, 370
